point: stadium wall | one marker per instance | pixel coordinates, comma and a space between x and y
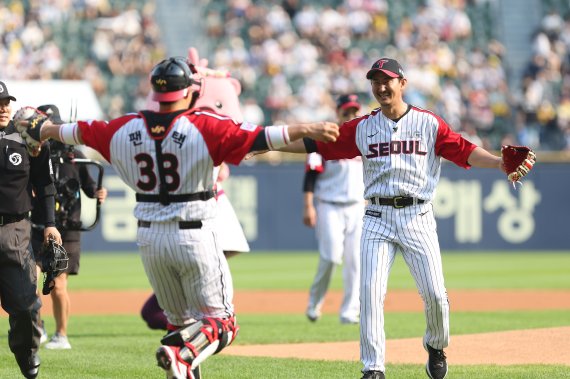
476, 210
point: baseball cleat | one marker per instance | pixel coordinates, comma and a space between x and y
312, 314
58, 342
167, 359
373, 375
436, 366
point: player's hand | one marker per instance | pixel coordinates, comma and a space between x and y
54, 233
101, 194
323, 131
310, 216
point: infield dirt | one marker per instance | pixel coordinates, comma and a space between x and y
540, 346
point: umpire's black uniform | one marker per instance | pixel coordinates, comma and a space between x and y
20, 174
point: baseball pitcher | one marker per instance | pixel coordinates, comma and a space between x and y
402, 147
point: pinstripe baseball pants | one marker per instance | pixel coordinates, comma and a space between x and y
413, 231
187, 270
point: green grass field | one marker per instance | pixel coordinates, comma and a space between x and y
122, 346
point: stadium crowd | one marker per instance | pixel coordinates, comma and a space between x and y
113, 45
545, 118
294, 57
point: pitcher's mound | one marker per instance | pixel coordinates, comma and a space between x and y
535, 346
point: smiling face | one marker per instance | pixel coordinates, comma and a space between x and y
5, 112
388, 91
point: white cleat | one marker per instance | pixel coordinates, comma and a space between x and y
167, 359
58, 342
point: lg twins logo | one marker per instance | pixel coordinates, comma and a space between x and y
15, 158
380, 63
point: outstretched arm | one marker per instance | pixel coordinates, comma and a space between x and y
320, 131
295, 147
54, 131
483, 159
289, 138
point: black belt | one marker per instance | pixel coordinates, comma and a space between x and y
181, 224
8, 219
396, 202
203, 196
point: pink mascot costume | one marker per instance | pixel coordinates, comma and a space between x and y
219, 94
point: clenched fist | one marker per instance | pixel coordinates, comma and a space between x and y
323, 131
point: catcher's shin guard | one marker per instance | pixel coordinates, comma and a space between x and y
202, 339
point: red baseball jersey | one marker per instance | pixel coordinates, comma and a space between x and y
192, 145
402, 157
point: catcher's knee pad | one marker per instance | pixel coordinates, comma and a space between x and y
203, 338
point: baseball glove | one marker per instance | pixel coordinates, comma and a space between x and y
517, 161
54, 262
29, 121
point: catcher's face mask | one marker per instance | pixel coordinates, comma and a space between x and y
54, 261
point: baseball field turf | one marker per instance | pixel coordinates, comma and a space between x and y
118, 345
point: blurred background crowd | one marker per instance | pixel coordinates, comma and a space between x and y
293, 57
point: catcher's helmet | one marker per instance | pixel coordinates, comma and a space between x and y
172, 79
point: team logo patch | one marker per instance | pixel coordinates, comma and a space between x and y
158, 129
16, 159
414, 134
373, 213
248, 126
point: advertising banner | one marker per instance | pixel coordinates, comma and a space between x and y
476, 209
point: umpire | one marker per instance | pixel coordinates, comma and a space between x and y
20, 174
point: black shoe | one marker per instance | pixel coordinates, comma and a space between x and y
197, 373
436, 366
29, 366
373, 375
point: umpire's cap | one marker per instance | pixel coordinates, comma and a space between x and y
4, 92
389, 66
172, 78
347, 101
53, 112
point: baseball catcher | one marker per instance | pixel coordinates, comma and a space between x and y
517, 161
54, 262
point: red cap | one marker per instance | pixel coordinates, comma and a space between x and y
389, 66
348, 101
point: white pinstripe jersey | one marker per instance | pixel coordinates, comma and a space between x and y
193, 143
338, 181
403, 157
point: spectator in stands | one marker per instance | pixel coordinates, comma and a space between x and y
296, 41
